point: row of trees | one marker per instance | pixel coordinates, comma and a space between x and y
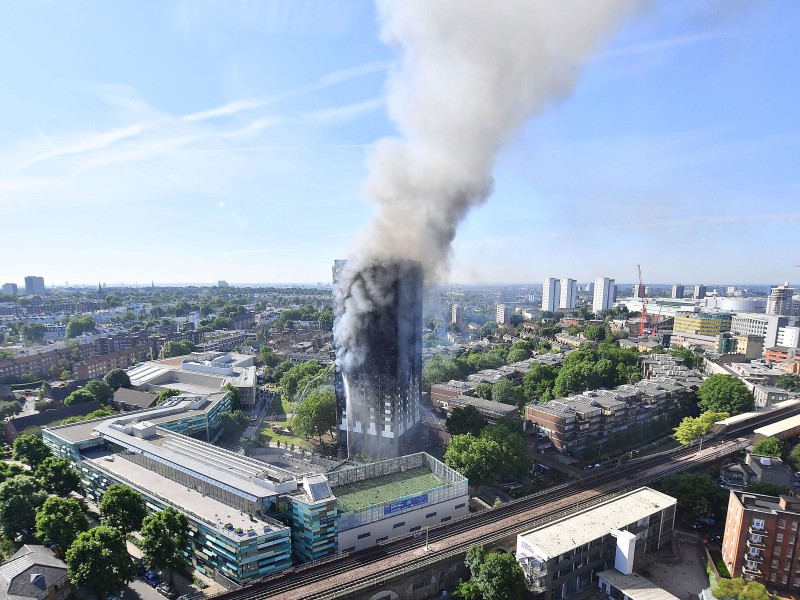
97, 559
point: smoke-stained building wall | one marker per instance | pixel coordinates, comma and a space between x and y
378, 336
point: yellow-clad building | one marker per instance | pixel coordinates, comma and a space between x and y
702, 323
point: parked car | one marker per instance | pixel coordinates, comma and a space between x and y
140, 568
152, 579
166, 590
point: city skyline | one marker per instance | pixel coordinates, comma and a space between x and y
196, 142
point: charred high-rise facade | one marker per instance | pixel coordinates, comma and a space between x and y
378, 337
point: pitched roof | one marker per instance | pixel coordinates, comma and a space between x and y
29, 572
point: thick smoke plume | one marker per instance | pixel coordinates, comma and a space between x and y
471, 73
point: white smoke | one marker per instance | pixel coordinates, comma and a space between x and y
471, 73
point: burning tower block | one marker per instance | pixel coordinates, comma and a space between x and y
378, 336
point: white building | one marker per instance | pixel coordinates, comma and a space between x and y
604, 294
765, 326
551, 292
788, 337
677, 291
504, 312
569, 291
699, 291
457, 314
780, 300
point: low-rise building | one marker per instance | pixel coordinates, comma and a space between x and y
492, 411
768, 394
567, 554
34, 573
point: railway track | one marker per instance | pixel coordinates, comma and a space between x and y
503, 521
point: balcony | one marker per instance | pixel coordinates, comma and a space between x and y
751, 571
753, 557
757, 530
751, 543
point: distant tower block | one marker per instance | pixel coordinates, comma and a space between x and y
677, 291
382, 395
551, 292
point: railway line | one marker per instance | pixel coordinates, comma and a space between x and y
347, 574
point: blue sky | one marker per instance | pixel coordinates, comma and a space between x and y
202, 140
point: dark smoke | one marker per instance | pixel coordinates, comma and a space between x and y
471, 73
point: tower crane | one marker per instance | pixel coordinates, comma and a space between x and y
644, 303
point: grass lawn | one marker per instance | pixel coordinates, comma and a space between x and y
355, 496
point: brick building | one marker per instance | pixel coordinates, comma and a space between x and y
760, 542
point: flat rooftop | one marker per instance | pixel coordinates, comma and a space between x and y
779, 428
211, 510
355, 496
570, 532
635, 586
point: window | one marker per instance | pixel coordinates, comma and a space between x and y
462, 505
758, 523
794, 525
789, 552
776, 551
772, 577
400, 524
784, 579
445, 519
429, 515
774, 564
382, 539
791, 540
413, 529
781, 523
365, 535
796, 582
779, 538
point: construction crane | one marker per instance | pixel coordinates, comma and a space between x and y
644, 302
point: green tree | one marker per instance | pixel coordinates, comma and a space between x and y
166, 394
9, 408
8, 470
267, 356
698, 495
594, 332
789, 382
33, 332
725, 393
768, 489
691, 428
79, 325
98, 561
769, 446
80, 396
30, 449
316, 415
755, 591
794, 457
234, 391
122, 508
728, 589
20, 497
164, 537
484, 390
465, 420
99, 389
57, 476
60, 520
233, 424
174, 348
117, 378
478, 459
505, 392
501, 578
517, 354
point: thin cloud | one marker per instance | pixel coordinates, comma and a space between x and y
657, 45
324, 82
341, 113
89, 144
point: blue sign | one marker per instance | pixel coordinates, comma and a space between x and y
404, 504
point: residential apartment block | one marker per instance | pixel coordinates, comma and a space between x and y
604, 294
566, 555
761, 539
568, 294
551, 294
779, 301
